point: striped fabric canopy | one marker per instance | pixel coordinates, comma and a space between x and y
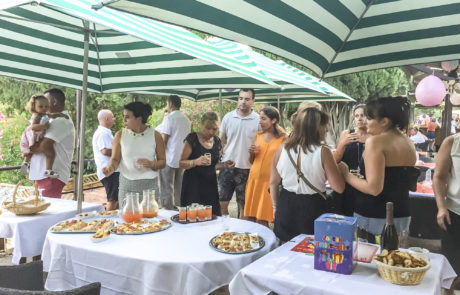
126, 53
283, 74
331, 37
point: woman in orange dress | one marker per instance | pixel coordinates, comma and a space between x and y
258, 204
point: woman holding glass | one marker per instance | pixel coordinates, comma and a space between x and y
139, 152
258, 204
388, 169
200, 159
350, 148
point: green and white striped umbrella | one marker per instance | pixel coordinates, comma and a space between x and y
331, 37
289, 77
126, 52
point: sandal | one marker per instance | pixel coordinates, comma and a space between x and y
25, 168
51, 174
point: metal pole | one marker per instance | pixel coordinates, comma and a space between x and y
81, 136
77, 142
220, 104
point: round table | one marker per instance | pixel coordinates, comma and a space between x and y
178, 260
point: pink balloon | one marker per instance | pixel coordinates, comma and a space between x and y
430, 91
455, 98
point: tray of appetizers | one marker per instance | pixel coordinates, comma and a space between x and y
237, 242
141, 227
79, 226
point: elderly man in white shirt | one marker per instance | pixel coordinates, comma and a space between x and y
102, 151
61, 136
174, 129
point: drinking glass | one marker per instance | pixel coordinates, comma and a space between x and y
182, 214
225, 220
137, 165
201, 213
191, 214
208, 214
208, 156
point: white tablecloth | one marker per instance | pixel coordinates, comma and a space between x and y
287, 272
28, 232
178, 260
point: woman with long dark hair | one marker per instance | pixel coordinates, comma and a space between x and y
258, 204
388, 168
298, 204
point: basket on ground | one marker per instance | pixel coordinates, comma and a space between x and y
29, 207
402, 275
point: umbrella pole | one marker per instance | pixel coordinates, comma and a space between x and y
220, 104
81, 136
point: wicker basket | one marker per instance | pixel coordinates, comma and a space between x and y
29, 207
402, 275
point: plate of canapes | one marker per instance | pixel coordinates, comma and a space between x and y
75, 226
141, 227
237, 242
100, 236
110, 213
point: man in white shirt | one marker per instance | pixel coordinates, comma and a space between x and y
61, 135
174, 129
237, 130
102, 150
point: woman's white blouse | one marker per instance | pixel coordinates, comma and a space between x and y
135, 146
311, 166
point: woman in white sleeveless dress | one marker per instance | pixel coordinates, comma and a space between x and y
138, 150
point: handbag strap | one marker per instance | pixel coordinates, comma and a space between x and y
300, 174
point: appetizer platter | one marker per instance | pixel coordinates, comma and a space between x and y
237, 242
175, 218
75, 226
141, 227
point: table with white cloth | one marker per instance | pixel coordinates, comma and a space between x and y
178, 260
29, 232
288, 272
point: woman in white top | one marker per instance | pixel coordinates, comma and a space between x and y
446, 184
138, 150
298, 204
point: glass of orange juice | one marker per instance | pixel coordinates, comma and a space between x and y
182, 214
208, 212
201, 213
191, 214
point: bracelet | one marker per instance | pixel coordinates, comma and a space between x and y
191, 164
274, 206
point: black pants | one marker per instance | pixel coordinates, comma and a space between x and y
450, 241
296, 214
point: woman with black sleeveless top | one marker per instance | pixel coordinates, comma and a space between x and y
350, 148
388, 166
200, 158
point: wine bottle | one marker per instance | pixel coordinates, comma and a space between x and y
389, 237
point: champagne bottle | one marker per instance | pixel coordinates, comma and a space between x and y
389, 237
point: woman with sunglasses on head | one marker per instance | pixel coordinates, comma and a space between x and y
387, 167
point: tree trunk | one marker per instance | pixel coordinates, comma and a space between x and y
339, 119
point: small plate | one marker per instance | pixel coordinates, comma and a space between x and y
106, 214
98, 240
86, 215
